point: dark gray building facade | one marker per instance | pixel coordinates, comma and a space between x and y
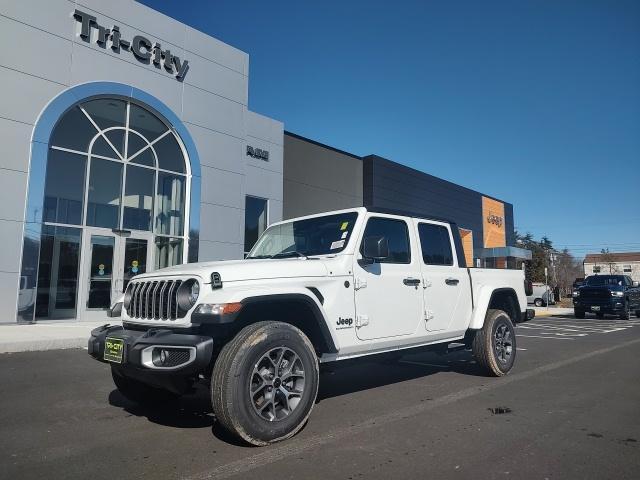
319, 177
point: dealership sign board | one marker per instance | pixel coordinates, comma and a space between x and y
142, 48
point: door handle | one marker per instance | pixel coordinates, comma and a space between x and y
412, 282
452, 281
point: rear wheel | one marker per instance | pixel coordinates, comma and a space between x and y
265, 382
538, 302
578, 313
494, 346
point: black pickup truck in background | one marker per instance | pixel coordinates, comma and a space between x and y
607, 294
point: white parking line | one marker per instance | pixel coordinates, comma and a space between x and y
571, 328
552, 338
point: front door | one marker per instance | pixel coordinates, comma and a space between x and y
110, 261
388, 293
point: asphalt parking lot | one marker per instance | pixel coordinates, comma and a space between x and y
569, 409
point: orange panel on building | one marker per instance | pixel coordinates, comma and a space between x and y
467, 245
493, 223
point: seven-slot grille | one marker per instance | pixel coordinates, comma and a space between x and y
155, 300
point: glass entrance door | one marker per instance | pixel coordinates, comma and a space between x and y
111, 260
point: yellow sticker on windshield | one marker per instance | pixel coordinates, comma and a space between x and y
344, 225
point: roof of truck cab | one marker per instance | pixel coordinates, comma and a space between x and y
406, 213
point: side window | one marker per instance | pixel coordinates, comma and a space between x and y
435, 244
397, 234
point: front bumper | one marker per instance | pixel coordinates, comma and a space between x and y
614, 305
194, 353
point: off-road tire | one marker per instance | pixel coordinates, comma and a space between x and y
484, 344
140, 393
626, 313
232, 373
578, 313
637, 313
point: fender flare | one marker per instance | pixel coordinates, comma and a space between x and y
309, 301
483, 300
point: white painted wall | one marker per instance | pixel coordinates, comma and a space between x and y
43, 55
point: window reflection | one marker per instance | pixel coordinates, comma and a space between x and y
168, 252
170, 204
64, 188
103, 200
58, 272
255, 221
138, 198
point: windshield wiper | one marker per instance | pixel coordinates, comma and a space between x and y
293, 253
259, 257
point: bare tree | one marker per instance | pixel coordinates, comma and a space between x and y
609, 260
568, 268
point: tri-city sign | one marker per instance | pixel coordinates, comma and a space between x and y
142, 48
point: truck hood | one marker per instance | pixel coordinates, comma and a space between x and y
236, 270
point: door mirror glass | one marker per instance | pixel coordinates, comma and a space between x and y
375, 248
636, 284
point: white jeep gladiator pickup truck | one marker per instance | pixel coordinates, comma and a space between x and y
315, 289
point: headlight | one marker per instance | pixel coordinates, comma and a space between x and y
188, 294
194, 292
218, 308
576, 293
617, 294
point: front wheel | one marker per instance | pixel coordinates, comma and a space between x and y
578, 313
538, 302
626, 312
494, 346
265, 382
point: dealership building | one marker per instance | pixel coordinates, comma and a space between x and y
128, 146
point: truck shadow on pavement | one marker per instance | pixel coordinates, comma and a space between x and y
194, 410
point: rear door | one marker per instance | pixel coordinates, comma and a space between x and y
388, 294
446, 286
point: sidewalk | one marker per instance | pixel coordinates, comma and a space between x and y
49, 335
553, 311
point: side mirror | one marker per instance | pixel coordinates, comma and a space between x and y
375, 248
636, 284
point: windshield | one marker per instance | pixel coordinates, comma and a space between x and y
598, 280
312, 236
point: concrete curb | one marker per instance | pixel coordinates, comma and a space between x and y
43, 344
46, 336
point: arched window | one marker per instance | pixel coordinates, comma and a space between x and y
115, 204
115, 164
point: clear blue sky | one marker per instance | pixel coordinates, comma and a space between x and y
533, 102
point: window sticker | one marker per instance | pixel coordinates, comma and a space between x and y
337, 244
344, 226
344, 235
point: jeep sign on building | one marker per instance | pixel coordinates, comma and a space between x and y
128, 146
